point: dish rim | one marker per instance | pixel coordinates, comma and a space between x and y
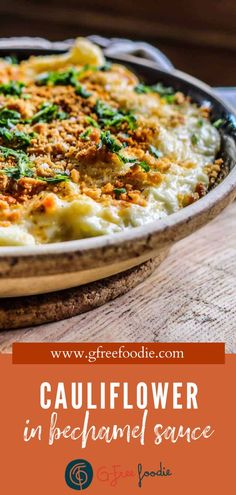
185, 215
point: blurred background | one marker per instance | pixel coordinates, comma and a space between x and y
199, 36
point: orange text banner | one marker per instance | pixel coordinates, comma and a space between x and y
118, 429
118, 353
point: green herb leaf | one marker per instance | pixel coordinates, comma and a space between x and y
48, 112
6, 134
119, 191
126, 159
105, 111
144, 166
69, 77
11, 59
218, 123
23, 168
26, 96
8, 118
200, 122
81, 91
93, 122
155, 88
55, 179
66, 78
6, 113
85, 135
194, 139
13, 88
142, 89
169, 98
112, 117
11, 172
16, 138
19, 155
162, 90
15, 174
154, 151
110, 142
61, 115
107, 66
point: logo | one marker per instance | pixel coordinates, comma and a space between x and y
79, 474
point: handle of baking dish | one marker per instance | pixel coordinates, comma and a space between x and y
139, 50
114, 47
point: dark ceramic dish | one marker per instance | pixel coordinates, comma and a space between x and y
45, 268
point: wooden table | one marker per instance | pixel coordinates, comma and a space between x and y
199, 37
190, 297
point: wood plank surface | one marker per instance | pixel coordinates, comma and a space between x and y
190, 298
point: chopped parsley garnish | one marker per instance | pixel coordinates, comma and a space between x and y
11, 59
154, 151
23, 167
8, 118
169, 98
144, 166
15, 137
85, 135
70, 76
13, 88
110, 142
92, 122
155, 88
200, 122
66, 78
61, 115
194, 139
142, 89
134, 161
17, 173
81, 91
10, 135
126, 159
6, 113
118, 191
6, 134
112, 145
218, 123
104, 111
55, 179
107, 66
109, 116
48, 112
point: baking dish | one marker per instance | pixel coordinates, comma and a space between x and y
51, 267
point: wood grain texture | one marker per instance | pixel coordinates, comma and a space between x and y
190, 298
198, 35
